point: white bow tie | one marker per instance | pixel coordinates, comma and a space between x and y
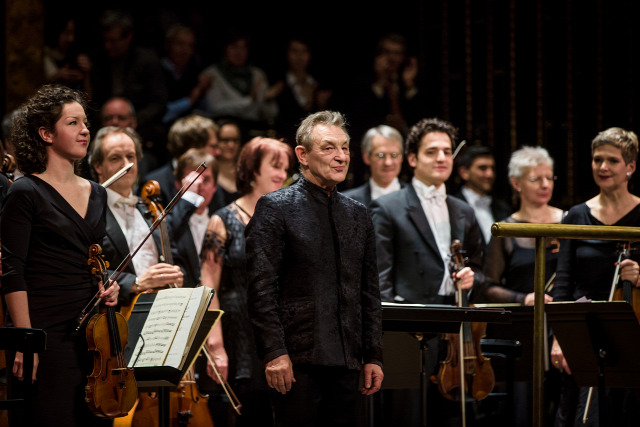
127, 201
437, 197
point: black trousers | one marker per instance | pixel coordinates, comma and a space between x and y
321, 396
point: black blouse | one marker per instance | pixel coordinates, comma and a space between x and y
45, 248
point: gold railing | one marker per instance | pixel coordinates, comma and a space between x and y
541, 232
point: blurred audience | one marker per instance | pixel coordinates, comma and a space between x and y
239, 89
64, 62
298, 92
134, 72
182, 67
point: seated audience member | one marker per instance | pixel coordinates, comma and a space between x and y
476, 167
127, 217
182, 69
193, 131
382, 152
298, 92
64, 62
239, 89
124, 69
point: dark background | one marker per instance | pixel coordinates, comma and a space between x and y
506, 72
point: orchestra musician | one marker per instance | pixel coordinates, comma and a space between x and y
586, 267
414, 230
127, 221
189, 217
509, 262
50, 218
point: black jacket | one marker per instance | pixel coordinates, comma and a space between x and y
313, 278
409, 260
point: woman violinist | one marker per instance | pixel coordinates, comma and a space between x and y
50, 218
586, 267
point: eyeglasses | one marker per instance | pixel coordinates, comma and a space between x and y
382, 156
539, 179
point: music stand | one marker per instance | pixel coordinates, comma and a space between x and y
431, 320
163, 378
599, 340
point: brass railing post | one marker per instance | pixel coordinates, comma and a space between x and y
541, 232
538, 331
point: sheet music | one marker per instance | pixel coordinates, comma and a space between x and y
185, 334
160, 327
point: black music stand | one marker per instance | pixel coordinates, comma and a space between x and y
430, 320
599, 340
163, 378
28, 341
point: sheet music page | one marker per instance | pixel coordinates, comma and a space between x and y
188, 326
160, 327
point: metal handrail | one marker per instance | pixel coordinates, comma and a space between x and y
541, 232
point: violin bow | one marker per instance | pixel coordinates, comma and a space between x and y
116, 176
84, 314
235, 402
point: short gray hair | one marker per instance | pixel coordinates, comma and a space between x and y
384, 131
528, 157
304, 134
96, 156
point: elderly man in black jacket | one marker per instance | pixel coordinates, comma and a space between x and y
314, 299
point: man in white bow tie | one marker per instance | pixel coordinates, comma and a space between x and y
476, 167
415, 227
127, 216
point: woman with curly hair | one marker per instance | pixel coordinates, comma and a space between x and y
51, 217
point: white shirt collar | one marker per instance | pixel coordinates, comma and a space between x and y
377, 191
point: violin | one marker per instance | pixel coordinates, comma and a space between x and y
465, 371
150, 194
111, 390
624, 291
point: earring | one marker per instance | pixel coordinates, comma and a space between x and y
628, 176
252, 183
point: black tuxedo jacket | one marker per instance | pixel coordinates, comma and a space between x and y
409, 262
362, 193
115, 250
182, 245
499, 209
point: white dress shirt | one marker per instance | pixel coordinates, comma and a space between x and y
433, 202
134, 228
481, 205
198, 225
377, 191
